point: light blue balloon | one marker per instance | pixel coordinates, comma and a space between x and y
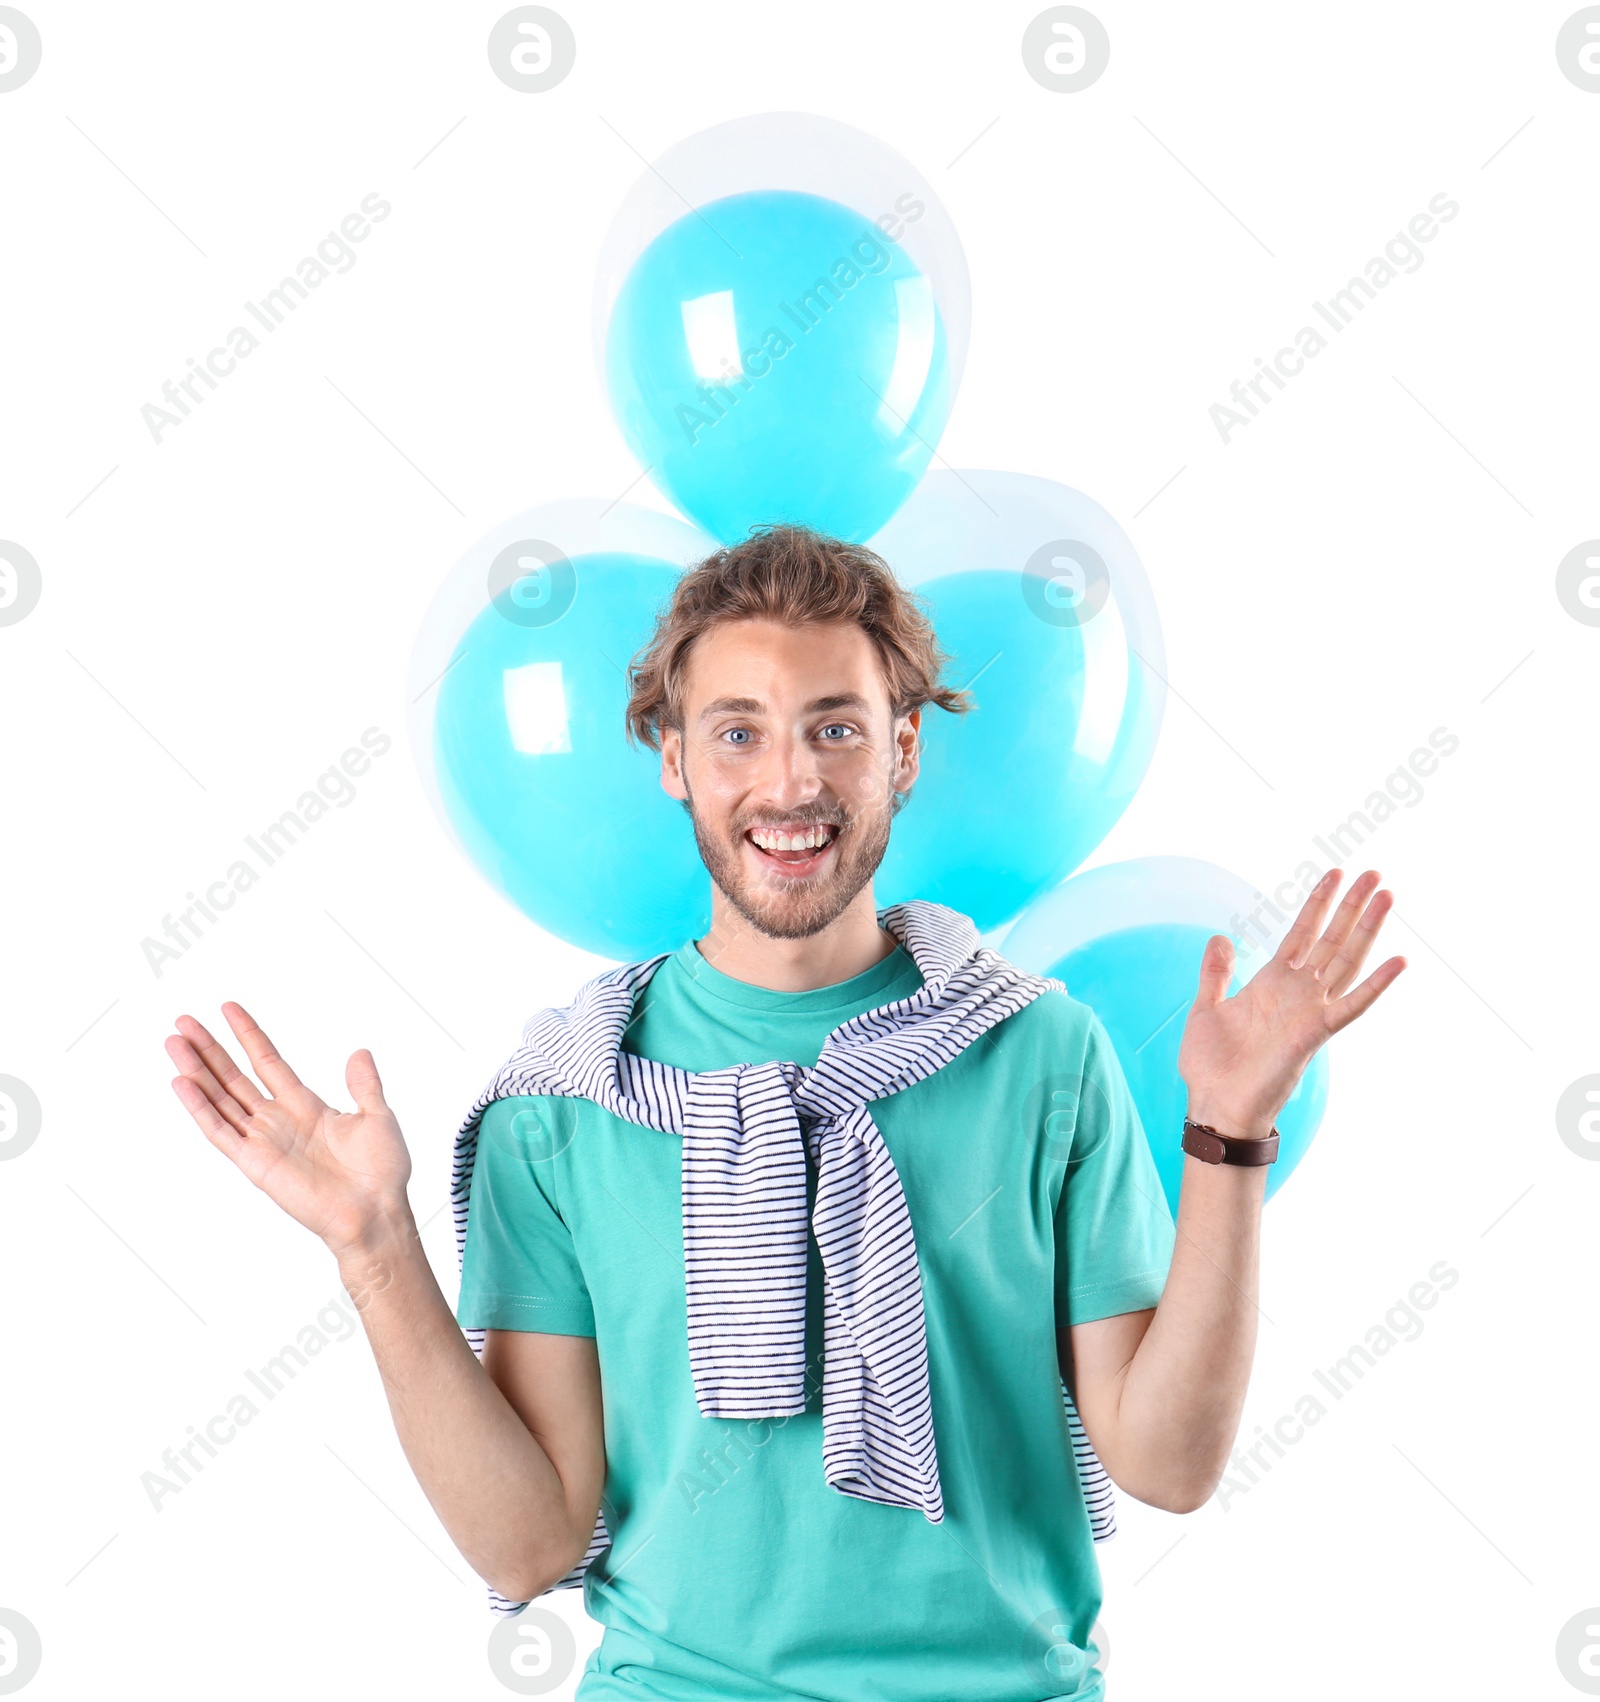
1040, 600
536, 776
1141, 976
772, 356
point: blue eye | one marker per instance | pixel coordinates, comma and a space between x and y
738, 734
835, 727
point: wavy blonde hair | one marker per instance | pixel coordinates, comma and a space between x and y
798, 577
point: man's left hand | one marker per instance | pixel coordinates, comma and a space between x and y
1241, 1057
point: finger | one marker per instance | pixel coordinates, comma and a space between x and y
361, 1077
216, 1057
195, 1072
1344, 919
216, 1128
1297, 941
1216, 970
1353, 953
263, 1055
1359, 998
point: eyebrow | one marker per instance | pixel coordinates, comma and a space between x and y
753, 706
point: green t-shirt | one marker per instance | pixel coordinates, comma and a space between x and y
735, 1572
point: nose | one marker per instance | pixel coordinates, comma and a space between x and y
791, 774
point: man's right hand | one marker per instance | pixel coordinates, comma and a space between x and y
529, 1417
342, 1174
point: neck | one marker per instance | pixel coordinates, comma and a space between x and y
851, 944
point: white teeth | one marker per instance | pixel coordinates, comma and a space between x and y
809, 840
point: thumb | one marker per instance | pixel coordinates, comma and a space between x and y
1216, 970
361, 1077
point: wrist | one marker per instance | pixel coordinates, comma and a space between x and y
368, 1257
1229, 1122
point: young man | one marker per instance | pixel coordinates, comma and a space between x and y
784, 1244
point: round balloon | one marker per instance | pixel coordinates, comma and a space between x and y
1038, 596
515, 697
781, 317
1127, 940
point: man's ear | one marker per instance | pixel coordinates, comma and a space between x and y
672, 764
908, 750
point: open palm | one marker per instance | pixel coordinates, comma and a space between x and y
1242, 1056
336, 1172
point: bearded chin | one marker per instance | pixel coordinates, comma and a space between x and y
811, 905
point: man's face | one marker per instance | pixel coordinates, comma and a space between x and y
789, 759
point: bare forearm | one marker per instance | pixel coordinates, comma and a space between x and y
1170, 1409
1183, 1391
493, 1486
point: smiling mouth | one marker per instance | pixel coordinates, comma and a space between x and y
794, 850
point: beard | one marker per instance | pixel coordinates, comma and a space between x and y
795, 908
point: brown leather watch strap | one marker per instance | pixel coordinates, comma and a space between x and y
1201, 1141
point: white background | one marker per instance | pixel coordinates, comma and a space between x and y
1374, 557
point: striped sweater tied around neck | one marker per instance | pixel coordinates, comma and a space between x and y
748, 1133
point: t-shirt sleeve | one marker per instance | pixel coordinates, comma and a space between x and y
520, 1269
1114, 1231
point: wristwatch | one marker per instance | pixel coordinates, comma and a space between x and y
1201, 1141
